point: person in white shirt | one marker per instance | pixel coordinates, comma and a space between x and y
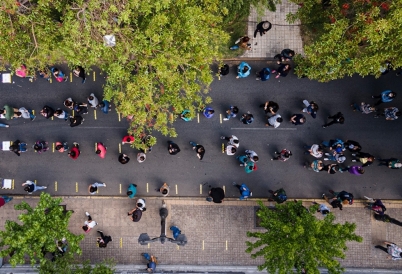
231, 150
89, 224
315, 150
252, 155
274, 121
233, 140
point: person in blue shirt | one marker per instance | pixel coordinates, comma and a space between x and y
385, 97
231, 113
131, 191
263, 74
151, 266
244, 191
243, 71
208, 112
105, 106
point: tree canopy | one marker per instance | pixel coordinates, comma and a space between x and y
295, 238
345, 37
37, 231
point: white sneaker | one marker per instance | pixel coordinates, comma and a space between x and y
45, 187
225, 119
104, 184
87, 213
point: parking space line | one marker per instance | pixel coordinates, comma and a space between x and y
53, 147
120, 188
220, 118
226, 245
94, 76
13, 184
176, 190
200, 188
198, 117
147, 187
120, 148
55, 186
71, 77
95, 114
202, 244
121, 242
118, 113
224, 189
76, 187
263, 128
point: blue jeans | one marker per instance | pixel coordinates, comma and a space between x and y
31, 114
23, 147
38, 188
146, 256
3, 125
193, 144
7, 199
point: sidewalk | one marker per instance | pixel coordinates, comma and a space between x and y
281, 36
216, 233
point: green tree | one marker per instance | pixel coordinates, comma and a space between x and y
294, 237
345, 37
37, 231
67, 264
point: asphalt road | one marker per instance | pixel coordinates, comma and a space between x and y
188, 176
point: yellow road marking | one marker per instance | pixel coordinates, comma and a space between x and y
73, 112
120, 188
202, 244
220, 118
50, 80
13, 184
224, 189
53, 146
94, 76
147, 188
200, 188
52, 118
176, 190
71, 77
121, 242
119, 116
223, 148
35, 181
76, 187
119, 147
149, 246
95, 146
55, 186
95, 113
226, 245
198, 117
178, 247
33, 112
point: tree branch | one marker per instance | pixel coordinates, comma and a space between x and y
36, 44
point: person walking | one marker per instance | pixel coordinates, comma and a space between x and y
262, 28
252, 155
173, 148
81, 108
151, 265
263, 74
311, 108
141, 157
336, 119
243, 70
47, 112
385, 97
164, 189
135, 214
140, 204
61, 114
128, 139
355, 170
283, 156
331, 168
216, 195
392, 249
175, 231
88, 224
343, 196
391, 163
9, 112
231, 113
80, 72
352, 146
298, 119
278, 196
247, 118
323, 209
334, 202
93, 188
105, 106
363, 108
315, 150
59, 75
103, 240
285, 56
270, 107
244, 191
274, 121
74, 152
199, 149
31, 187
386, 218
18, 147
131, 191
316, 165
101, 150
76, 120
208, 112
69, 103
391, 113
365, 158
242, 42
124, 159
283, 70
93, 101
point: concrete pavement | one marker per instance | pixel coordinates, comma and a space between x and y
216, 233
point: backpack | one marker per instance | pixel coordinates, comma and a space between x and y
137, 214
281, 196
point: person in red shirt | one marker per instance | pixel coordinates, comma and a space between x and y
101, 150
74, 151
128, 139
4, 199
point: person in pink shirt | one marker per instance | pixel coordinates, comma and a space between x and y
101, 150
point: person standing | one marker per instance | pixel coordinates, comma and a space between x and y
74, 151
105, 106
315, 165
385, 97
298, 119
334, 202
128, 139
89, 224
47, 112
124, 159
5, 199
199, 149
311, 108
151, 265
336, 119
59, 75
173, 148
363, 108
270, 107
164, 189
352, 146
31, 187
391, 163
365, 158
141, 204
355, 170
141, 157
323, 209
17, 147
135, 214
252, 155
101, 150
244, 191
262, 28
274, 121
80, 72
233, 140
283, 70
315, 150
40, 146
26, 113
176, 231
285, 56
247, 118
93, 101
103, 240
278, 196
338, 157
131, 191
392, 249
93, 188
76, 120
208, 112
331, 168
243, 70
283, 156
231, 113
9, 112
61, 114
391, 113
242, 42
